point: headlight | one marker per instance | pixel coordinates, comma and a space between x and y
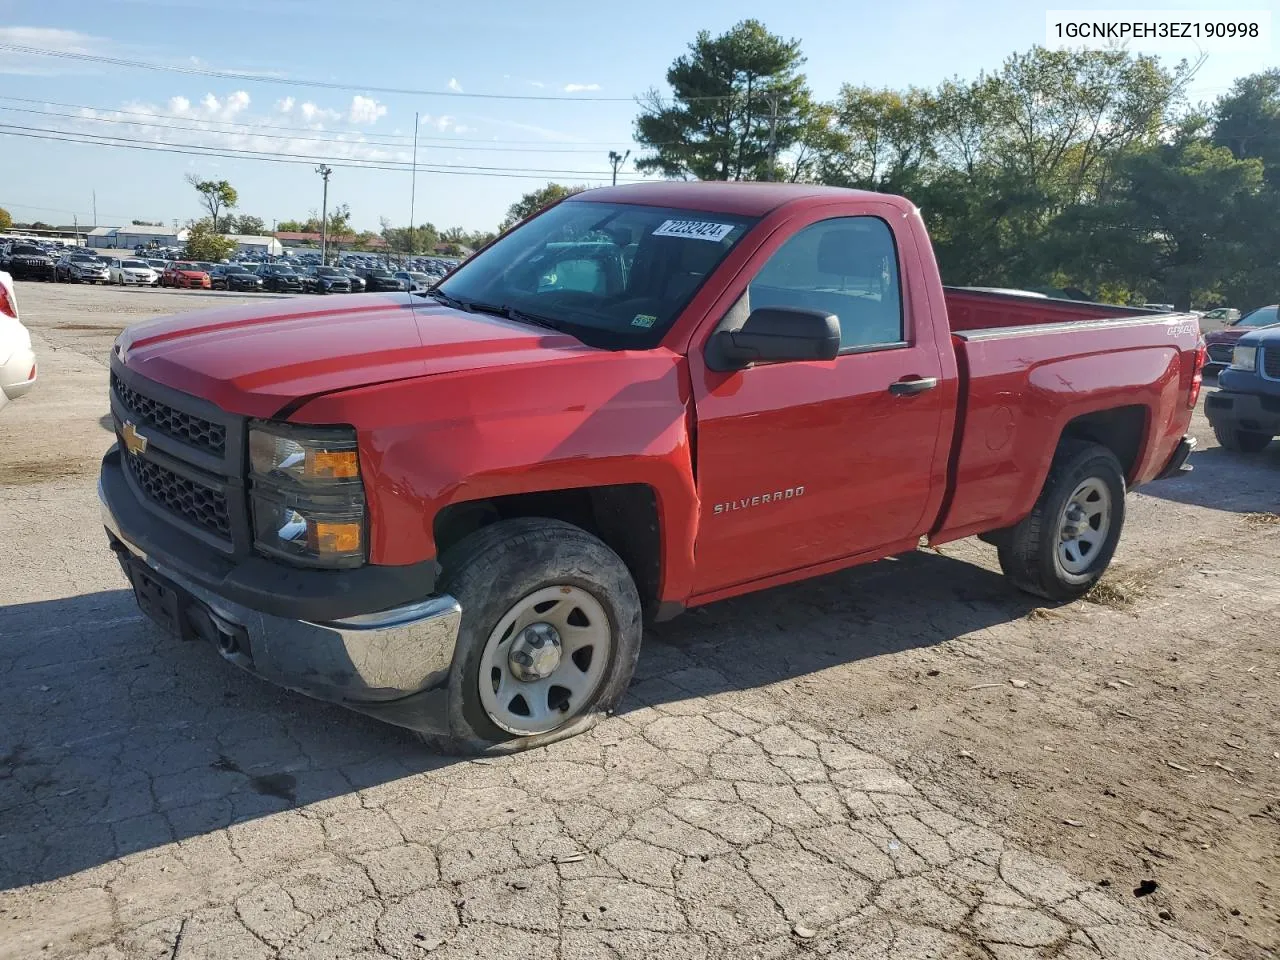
307, 497
1244, 358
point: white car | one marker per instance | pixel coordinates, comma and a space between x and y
130, 271
17, 359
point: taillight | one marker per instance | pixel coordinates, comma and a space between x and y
1197, 372
7, 306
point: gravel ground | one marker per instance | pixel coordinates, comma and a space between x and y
905, 760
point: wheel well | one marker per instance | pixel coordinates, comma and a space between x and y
624, 516
1120, 430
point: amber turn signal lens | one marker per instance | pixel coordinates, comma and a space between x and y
327, 537
332, 465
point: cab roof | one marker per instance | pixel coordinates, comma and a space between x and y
748, 199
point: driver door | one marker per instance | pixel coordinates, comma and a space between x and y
804, 463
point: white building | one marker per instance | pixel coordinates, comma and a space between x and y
127, 238
248, 244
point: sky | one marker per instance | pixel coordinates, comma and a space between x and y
319, 76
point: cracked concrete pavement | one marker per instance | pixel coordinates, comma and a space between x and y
780, 781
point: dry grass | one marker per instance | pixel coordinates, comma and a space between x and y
1261, 521
1044, 613
1120, 589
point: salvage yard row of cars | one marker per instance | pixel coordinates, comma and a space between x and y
31, 262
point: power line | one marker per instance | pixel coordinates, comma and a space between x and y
156, 147
315, 84
262, 133
369, 135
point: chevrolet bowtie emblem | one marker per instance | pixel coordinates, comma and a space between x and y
134, 442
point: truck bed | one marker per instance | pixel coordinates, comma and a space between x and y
1033, 369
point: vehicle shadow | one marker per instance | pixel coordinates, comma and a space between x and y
118, 738
1221, 480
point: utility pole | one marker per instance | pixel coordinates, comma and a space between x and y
616, 160
95, 208
773, 134
413, 185
75, 220
324, 213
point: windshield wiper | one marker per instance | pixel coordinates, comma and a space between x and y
507, 313
447, 300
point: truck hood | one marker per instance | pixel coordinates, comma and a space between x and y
256, 359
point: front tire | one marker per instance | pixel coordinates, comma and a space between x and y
549, 637
1240, 441
1064, 546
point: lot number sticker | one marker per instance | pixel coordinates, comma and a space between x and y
694, 230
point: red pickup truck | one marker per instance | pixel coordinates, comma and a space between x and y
454, 510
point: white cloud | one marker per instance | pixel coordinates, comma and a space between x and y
318, 116
179, 106
365, 111
285, 105
454, 85
580, 87
46, 38
537, 83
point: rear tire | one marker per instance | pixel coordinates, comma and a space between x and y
1240, 441
1064, 546
521, 575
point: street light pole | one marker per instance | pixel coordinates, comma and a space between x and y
616, 160
413, 184
324, 213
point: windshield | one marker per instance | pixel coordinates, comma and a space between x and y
613, 274
288, 270
1262, 317
25, 251
380, 274
184, 266
84, 258
328, 272
134, 265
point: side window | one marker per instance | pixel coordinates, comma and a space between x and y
847, 266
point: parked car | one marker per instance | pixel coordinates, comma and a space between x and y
183, 274
1218, 318
280, 278
129, 271
1220, 343
1245, 409
1160, 307
26, 261
414, 281
321, 279
17, 359
158, 265
844, 403
357, 281
378, 280
233, 276
81, 268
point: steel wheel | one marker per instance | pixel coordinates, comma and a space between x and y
1084, 525
545, 659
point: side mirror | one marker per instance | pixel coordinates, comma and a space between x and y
776, 335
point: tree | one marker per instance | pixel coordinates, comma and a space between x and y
726, 94
206, 243
883, 139
532, 202
6, 221
248, 225
216, 195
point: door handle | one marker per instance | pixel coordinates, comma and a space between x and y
909, 386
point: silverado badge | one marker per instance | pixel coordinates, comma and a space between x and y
134, 442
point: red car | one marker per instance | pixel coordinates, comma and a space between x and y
185, 275
455, 510
1220, 343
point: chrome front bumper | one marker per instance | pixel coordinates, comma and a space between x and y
393, 664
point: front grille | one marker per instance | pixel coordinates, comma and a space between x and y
1270, 361
194, 502
189, 429
1220, 352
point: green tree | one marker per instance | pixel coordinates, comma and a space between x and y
206, 243
883, 139
216, 195
727, 93
1172, 227
248, 225
290, 226
6, 221
1247, 121
534, 201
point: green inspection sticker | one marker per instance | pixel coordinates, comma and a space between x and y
643, 320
